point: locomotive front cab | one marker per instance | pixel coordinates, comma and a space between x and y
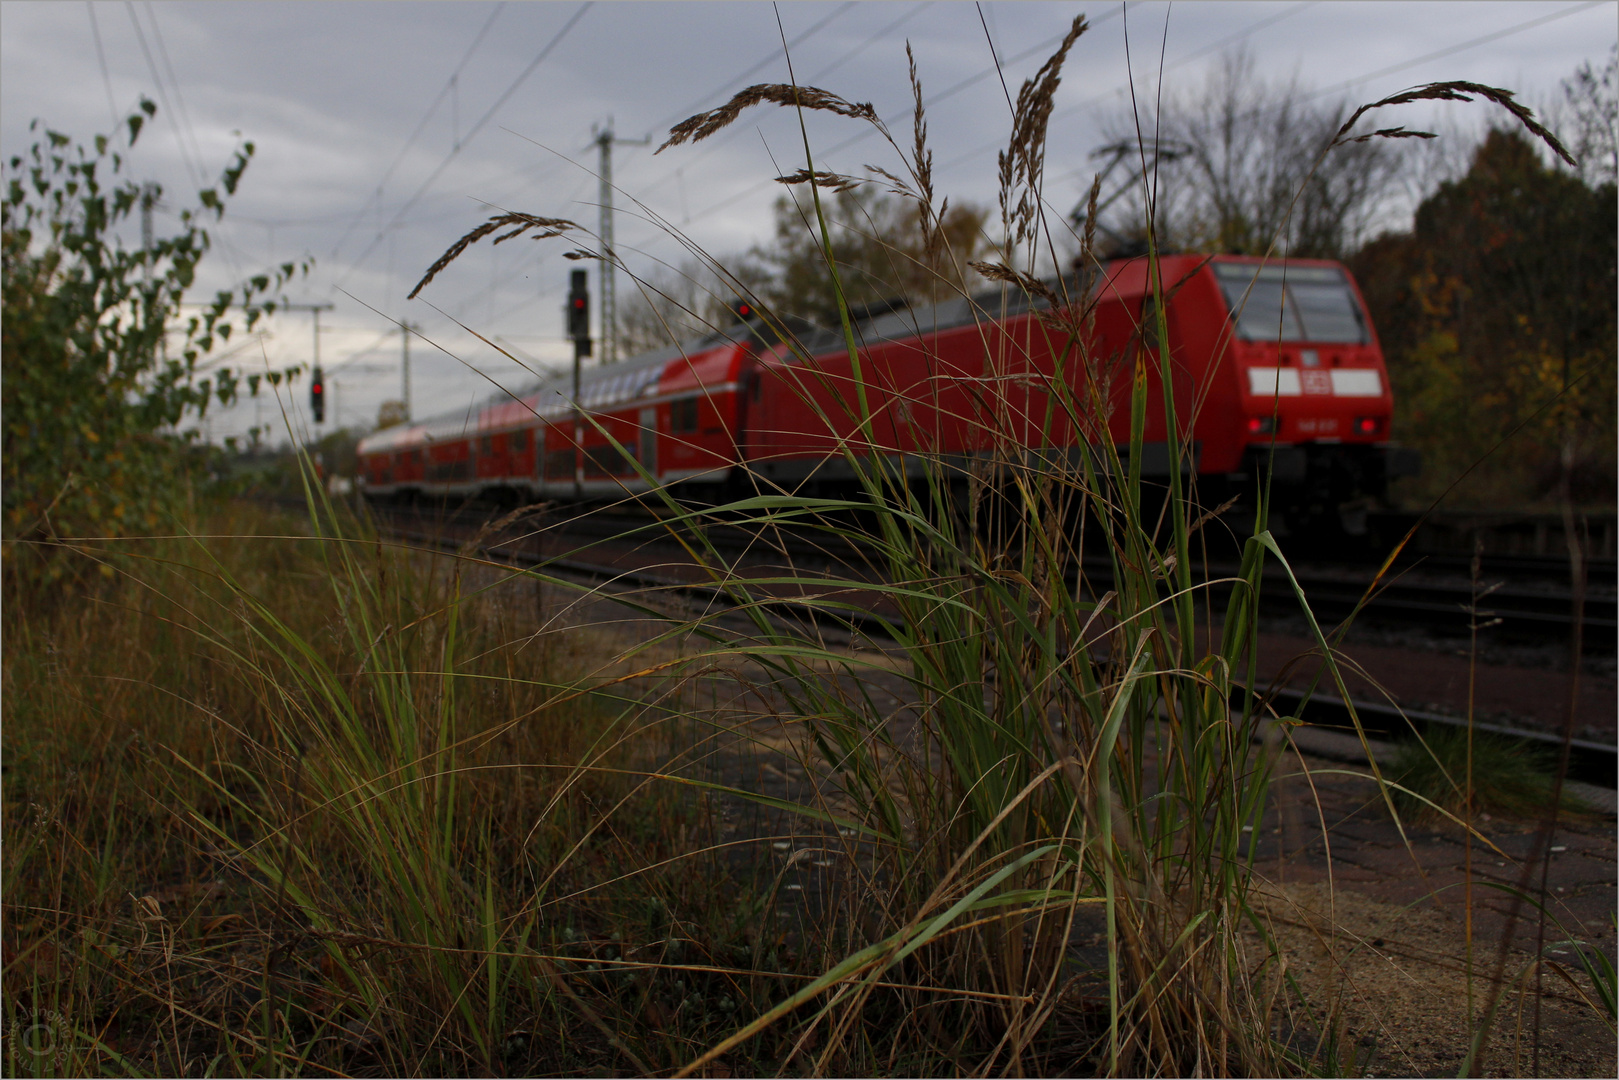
1313, 392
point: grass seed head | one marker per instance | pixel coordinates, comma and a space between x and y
828, 181
1456, 90
697, 128
522, 223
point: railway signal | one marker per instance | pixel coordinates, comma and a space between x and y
743, 310
579, 330
579, 312
317, 385
317, 396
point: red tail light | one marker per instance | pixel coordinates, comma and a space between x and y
1368, 425
1261, 425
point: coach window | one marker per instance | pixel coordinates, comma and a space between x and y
683, 415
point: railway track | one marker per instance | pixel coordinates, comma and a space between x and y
1511, 611
1589, 762
1527, 601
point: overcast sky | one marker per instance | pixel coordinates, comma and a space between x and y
386, 131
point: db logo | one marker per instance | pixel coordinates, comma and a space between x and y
1317, 382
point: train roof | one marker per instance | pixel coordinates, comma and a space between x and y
549, 397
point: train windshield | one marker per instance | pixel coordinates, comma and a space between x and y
1294, 303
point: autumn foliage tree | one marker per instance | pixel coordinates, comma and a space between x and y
1497, 313
100, 368
878, 246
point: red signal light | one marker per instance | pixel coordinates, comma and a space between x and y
317, 395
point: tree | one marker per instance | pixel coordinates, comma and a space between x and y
1240, 166
391, 414
1496, 310
878, 245
93, 391
1590, 109
676, 304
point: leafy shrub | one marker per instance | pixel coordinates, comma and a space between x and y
95, 391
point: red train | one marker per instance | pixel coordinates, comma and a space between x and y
1276, 366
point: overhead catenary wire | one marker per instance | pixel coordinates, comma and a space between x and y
192, 167
1274, 16
179, 116
1067, 110
1404, 65
1261, 24
871, 39
774, 54
174, 84
387, 174
471, 134
540, 255
101, 58
714, 144
1463, 47
931, 102
950, 91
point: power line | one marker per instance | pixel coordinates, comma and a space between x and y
878, 36
1403, 65
1179, 62
510, 90
867, 131
101, 58
711, 146
179, 98
948, 92
157, 81
387, 173
1519, 28
774, 54
231, 250
1463, 47
683, 113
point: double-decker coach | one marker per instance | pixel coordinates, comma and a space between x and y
672, 415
